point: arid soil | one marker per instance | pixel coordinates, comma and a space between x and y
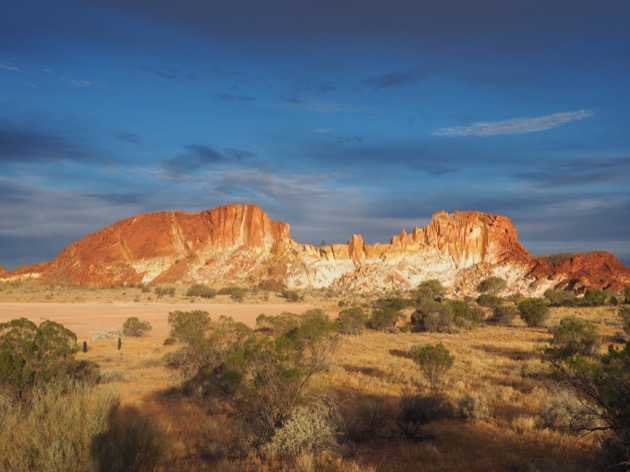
88, 317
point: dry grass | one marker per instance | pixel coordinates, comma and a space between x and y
499, 364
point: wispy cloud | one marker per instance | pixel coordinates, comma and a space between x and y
515, 125
10, 68
83, 84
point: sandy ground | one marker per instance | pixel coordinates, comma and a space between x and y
85, 318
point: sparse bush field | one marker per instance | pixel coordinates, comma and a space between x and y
502, 409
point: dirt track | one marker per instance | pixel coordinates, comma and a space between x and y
84, 318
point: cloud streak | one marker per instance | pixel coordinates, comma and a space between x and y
515, 125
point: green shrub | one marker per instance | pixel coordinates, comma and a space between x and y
603, 382
351, 321
277, 325
433, 316
434, 361
201, 290
291, 295
235, 293
32, 355
134, 327
504, 314
533, 311
164, 291
395, 303
595, 297
466, 315
170, 341
489, 301
560, 298
492, 285
384, 319
574, 337
189, 326
429, 289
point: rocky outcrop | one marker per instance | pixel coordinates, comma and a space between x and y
241, 244
597, 269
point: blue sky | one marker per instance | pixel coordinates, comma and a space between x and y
339, 117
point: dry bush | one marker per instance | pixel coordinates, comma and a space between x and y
107, 333
561, 411
416, 411
472, 405
310, 428
367, 418
55, 432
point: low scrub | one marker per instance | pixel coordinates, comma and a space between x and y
574, 337
201, 290
383, 319
434, 361
533, 311
433, 316
71, 427
351, 321
134, 327
416, 411
504, 314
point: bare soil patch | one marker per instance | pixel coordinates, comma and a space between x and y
86, 317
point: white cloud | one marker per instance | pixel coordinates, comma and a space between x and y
516, 125
10, 68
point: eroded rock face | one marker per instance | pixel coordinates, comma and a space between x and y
241, 244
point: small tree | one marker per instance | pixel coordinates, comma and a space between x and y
134, 327
605, 382
433, 316
431, 289
189, 326
32, 355
534, 311
492, 285
383, 319
434, 361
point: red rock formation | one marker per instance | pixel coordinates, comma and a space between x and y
146, 246
469, 237
598, 269
240, 244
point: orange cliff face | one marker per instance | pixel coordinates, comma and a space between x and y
240, 244
469, 237
167, 245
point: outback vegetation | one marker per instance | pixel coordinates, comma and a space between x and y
399, 381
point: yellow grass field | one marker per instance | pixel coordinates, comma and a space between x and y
499, 364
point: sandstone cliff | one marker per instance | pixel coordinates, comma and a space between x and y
240, 244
